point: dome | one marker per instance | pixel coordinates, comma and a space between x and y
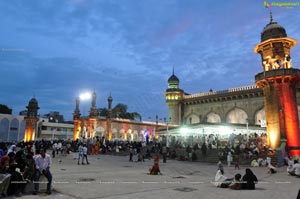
173, 78
272, 30
33, 101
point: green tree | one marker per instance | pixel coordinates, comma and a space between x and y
120, 111
4, 109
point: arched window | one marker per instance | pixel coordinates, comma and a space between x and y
14, 129
4, 125
213, 118
237, 116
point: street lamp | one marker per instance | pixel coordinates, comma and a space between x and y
84, 97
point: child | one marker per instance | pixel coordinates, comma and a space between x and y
220, 167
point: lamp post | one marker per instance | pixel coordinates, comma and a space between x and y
84, 97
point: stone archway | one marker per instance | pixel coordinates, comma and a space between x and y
260, 115
14, 128
122, 134
192, 119
129, 135
4, 127
213, 118
115, 133
237, 116
99, 131
135, 136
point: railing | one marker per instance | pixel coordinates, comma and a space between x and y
244, 88
278, 72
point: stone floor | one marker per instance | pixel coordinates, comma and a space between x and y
114, 177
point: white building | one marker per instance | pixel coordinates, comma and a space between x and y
54, 130
12, 127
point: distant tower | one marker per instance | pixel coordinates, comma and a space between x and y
31, 120
109, 117
279, 81
76, 119
109, 99
174, 95
93, 110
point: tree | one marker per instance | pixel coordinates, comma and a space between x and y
120, 111
4, 109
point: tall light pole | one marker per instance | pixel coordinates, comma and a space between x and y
84, 97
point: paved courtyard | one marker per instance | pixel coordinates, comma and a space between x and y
114, 177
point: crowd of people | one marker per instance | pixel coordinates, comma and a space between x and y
23, 164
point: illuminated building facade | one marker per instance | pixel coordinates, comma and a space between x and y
271, 103
279, 81
109, 127
31, 120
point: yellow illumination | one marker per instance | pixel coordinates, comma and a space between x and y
273, 139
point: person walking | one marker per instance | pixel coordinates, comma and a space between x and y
164, 153
80, 153
229, 159
43, 163
85, 150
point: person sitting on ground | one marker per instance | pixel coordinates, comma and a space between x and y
272, 169
219, 178
254, 163
295, 171
236, 183
155, 168
249, 180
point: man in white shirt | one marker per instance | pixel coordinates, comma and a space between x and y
43, 163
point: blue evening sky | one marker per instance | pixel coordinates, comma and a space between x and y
57, 49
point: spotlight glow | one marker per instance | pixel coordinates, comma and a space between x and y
85, 96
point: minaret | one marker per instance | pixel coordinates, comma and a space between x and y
76, 119
31, 120
109, 99
93, 111
92, 117
109, 117
279, 81
174, 95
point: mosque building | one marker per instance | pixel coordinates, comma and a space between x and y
271, 103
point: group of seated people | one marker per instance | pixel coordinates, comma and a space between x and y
17, 169
238, 182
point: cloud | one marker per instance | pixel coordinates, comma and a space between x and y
61, 48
